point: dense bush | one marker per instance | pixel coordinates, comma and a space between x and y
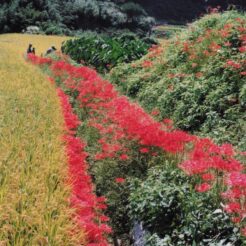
173, 214
104, 52
197, 79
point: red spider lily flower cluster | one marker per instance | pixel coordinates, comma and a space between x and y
155, 112
203, 187
39, 60
119, 121
233, 64
236, 182
87, 206
147, 64
155, 51
120, 180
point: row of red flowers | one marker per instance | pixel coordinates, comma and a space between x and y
87, 205
118, 120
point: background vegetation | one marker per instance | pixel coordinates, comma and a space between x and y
104, 52
197, 79
67, 17
72, 16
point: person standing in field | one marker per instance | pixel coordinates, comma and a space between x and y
51, 50
29, 49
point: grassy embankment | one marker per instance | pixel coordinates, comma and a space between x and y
34, 207
197, 78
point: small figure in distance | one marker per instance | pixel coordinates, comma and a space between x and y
29, 49
33, 50
51, 50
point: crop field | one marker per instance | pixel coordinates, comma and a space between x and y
34, 206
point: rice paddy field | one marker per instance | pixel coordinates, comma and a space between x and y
34, 203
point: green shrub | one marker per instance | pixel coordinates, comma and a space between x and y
174, 214
104, 52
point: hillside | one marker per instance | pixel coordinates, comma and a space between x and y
197, 79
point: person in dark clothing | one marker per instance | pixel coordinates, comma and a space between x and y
29, 49
33, 50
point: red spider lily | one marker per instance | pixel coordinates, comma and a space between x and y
236, 219
233, 207
242, 49
39, 60
147, 64
241, 29
233, 64
237, 179
155, 112
144, 150
203, 187
120, 180
124, 157
168, 121
208, 177
225, 33
104, 218
83, 199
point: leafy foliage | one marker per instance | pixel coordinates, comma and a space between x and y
197, 78
64, 17
104, 52
174, 214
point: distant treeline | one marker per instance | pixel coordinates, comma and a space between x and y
68, 16
71, 16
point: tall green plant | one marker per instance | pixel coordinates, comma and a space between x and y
104, 52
